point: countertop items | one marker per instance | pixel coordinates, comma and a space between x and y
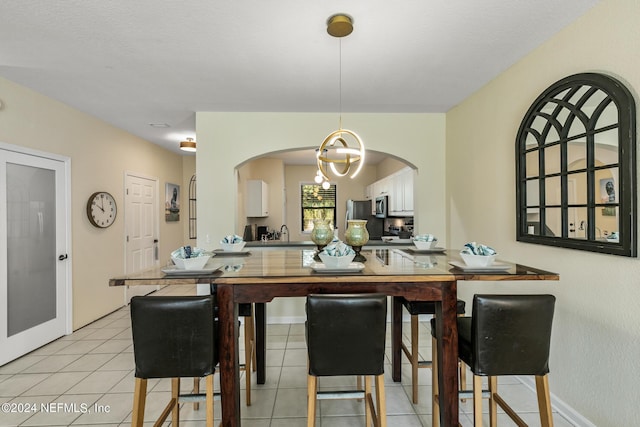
309, 243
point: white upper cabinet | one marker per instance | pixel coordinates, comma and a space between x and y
257, 199
401, 193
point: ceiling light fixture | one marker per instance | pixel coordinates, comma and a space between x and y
188, 145
342, 150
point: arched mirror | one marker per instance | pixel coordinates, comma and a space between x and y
576, 167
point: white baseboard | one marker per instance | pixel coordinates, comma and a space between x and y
573, 416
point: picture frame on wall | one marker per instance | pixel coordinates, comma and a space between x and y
607, 190
172, 202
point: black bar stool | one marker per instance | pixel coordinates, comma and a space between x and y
173, 337
346, 336
506, 335
415, 309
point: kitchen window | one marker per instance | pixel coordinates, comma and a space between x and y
317, 203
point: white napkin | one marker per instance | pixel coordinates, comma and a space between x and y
426, 238
231, 238
472, 248
338, 248
186, 252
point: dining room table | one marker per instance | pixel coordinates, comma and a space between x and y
260, 276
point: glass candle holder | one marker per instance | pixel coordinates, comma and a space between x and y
357, 236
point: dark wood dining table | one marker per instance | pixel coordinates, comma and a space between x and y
262, 275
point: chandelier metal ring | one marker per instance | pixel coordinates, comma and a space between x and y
339, 155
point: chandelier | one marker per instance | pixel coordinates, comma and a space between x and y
342, 151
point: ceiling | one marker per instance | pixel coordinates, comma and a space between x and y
143, 62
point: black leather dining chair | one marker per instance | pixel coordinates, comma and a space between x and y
173, 337
415, 309
346, 336
506, 335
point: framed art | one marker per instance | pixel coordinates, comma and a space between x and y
607, 191
172, 202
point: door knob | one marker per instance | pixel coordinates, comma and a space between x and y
63, 257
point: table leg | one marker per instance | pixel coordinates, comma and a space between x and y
229, 365
261, 342
396, 339
448, 356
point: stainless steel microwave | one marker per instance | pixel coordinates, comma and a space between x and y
381, 206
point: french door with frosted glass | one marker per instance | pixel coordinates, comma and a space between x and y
35, 293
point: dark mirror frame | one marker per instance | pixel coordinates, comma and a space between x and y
547, 107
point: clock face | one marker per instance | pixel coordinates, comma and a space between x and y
101, 209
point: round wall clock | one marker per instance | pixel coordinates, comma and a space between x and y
101, 209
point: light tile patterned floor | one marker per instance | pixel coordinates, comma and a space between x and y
86, 379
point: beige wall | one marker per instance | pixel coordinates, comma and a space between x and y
100, 155
226, 140
596, 336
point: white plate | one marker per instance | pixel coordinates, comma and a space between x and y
496, 266
435, 250
354, 267
173, 270
221, 252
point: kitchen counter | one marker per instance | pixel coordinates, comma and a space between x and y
275, 244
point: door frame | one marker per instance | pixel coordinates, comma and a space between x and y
65, 238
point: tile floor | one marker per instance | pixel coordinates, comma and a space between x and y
86, 379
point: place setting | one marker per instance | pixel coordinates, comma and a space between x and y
479, 258
337, 257
232, 245
189, 260
425, 244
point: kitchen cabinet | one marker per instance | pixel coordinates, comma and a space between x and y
399, 187
257, 198
401, 193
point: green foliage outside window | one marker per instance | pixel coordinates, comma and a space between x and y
317, 203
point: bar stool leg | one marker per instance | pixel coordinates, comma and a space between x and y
435, 412
544, 401
210, 414
414, 357
139, 399
477, 400
381, 401
196, 390
175, 395
493, 406
312, 390
248, 356
367, 397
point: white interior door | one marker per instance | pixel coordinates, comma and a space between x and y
141, 227
35, 288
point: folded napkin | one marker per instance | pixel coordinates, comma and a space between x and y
475, 249
232, 238
425, 238
338, 248
186, 252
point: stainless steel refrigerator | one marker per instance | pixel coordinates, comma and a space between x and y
361, 209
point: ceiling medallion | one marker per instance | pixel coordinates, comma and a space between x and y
342, 151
